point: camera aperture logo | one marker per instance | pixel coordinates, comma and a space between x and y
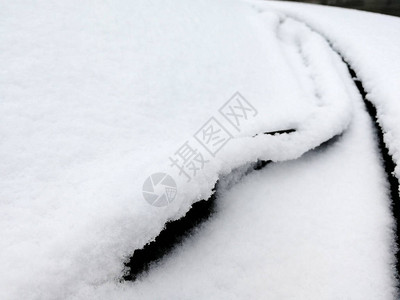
159, 189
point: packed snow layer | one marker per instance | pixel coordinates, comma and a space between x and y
96, 97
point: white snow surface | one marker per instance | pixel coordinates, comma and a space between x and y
319, 227
370, 43
96, 96
304, 229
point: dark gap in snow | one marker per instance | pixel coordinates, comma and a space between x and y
389, 7
261, 164
280, 131
176, 231
388, 162
287, 131
172, 235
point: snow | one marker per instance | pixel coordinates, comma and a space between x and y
371, 45
285, 233
305, 229
96, 97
